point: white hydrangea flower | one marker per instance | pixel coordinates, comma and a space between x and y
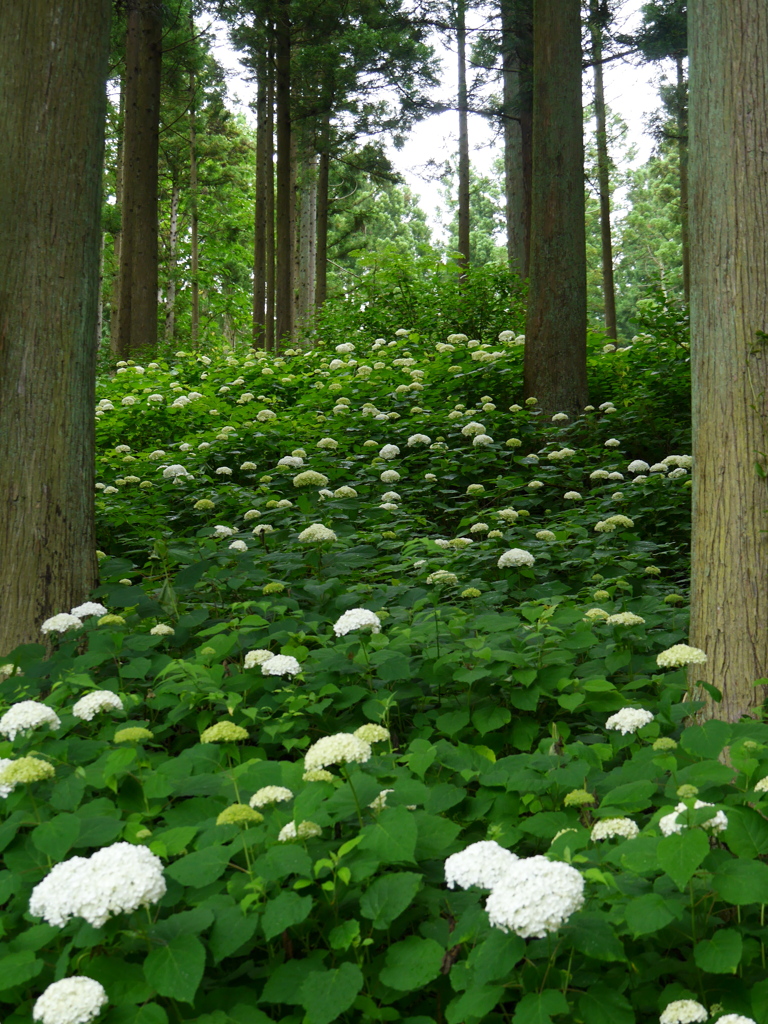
472, 429
625, 619
27, 714
629, 720
316, 534
482, 440
238, 545
162, 629
595, 613
116, 879
560, 417
98, 700
75, 1000
545, 535
280, 665
484, 864
638, 466
684, 1011
572, 496
327, 442
345, 492
257, 657
535, 485
304, 830
380, 802
389, 451
270, 795
88, 608
176, 472
63, 621
509, 515
357, 618
669, 823
442, 576
223, 531
607, 828
371, 733
535, 897
612, 442
291, 462
735, 1018
415, 439
340, 748
762, 785
679, 655
515, 557
599, 474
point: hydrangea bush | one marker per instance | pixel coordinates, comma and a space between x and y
334, 751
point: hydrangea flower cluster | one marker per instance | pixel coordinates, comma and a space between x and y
60, 623
315, 534
270, 795
116, 879
515, 557
98, 700
629, 720
75, 1000
680, 655
24, 769
26, 715
607, 828
340, 748
280, 665
357, 618
684, 1011
483, 864
535, 897
669, 825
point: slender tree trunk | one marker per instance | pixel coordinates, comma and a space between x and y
729, 357
100, 305
261, 225
50, 215
682, 153
463, 211
114, 300
603, 173
283, 205
173, 245
194, 258
306, 235
514, 185
269, 336
137, 320
555, 367
321, 271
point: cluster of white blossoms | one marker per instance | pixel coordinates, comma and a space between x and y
26, 715
472, 429
669, 824
98, 700
607, 828
389, 451
316, 534
309, 478
371, 733
304, 830
61, 623
443, 577
357, 618
116, 879
684, 1011
625, 619
679, 655
629, 720
162, 629
280, 665
75, 1000
176, 472
257, 657
270, 795
735, 1018
535, 897
340, 748
483, 864
515, 557
82, 611
415, 439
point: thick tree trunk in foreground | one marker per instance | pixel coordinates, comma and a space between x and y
137, 314
729, 312
463, 211
555, 369
53, 66
603, 174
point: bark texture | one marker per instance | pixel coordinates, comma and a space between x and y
516, 102
463, 210
603, 174
555, 366
729, 309
283, 200
53, 66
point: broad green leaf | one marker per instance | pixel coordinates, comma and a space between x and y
284, 911
19, 968
742, 882
648, 913
540, 1007
392, 837
721, 954
592, 934
452, 722
188, 922
474, 1004
388, 896
633, 796
283, 860
201, 867
232, 929
604, 1005
176, 839
495, 957
679, 855
706, 740
325, 995
175, 970
123, 980
436, 835
285, 982
149, 1013
98, 831
55, 837
344, 934
488, 719
412, 963
639, 856
747, 833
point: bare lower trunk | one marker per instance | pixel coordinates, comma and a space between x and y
173, 244
321, 272
261, 225
682, 153
729, 358
50, 213
284, 270
603, 175
194, 256
463, 211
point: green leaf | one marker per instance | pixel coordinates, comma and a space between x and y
706, 740
490, 718
452, 722
392, 837
284, 911
721, 954
19, 968
648, 913
232, 929
474, 1004
540, 1007
344, 934
742, 882
283, 860
747, 833
55, 837
123, 980
325, 995
679, 855
149, 1013
436, 834
98, 831
633, 796
495, 957
604, 1005
388, 896
201, 867
176, 970
592, 934
285, 982
175, 840
412, 963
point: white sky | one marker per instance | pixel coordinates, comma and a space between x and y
630, 91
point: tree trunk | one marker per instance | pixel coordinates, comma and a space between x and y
729, 313
603, 172
114, 299
137, 319
514, 186
284, 275
194, 257
50, 216
682, 153
321, 269
269, 336
173, 245
555, 367
261, 224
463, 212
306, 241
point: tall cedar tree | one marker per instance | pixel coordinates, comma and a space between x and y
555, 366
729, 315
599, 15
53, 68
517, 112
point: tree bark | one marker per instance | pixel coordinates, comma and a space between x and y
729, 313
53, 68
682, 154
463, 210
114, 304
269, 336
173, 244
283, 204
555, 362
261, 225
137, 317
321, 269
514, 183
603, 173
194, 246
